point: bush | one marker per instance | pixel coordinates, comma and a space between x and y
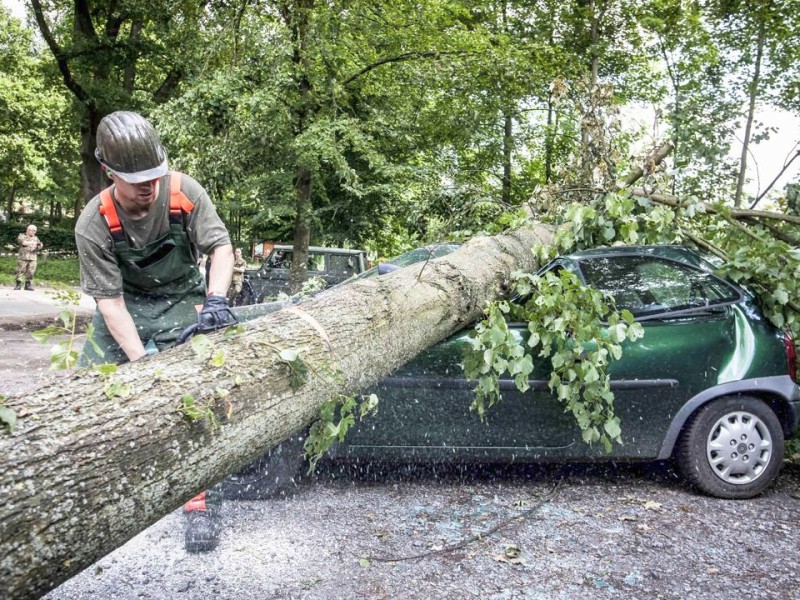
49, 270
55, 239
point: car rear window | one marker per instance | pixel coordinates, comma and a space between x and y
648, 285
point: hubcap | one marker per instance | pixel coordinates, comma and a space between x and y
739, 448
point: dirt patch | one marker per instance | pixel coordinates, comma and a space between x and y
34, 322
24, 362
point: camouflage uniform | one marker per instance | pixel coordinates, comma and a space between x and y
237, 279
29, 246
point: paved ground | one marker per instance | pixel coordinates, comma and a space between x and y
20, 309
491, 533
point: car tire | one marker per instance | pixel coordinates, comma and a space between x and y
732, 448
271, 475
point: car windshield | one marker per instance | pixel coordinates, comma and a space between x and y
648, 285
409, 258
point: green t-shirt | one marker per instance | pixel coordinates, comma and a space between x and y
100, 274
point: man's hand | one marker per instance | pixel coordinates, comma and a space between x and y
216, 314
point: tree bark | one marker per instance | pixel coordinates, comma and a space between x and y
83, 473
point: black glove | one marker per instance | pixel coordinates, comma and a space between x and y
216, 314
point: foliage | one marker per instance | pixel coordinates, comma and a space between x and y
336, 416
63, 354
575, 328
50, 270
7, 416
298, 369
33, 112
55, 239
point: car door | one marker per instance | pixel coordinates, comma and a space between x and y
273, 276
691, 331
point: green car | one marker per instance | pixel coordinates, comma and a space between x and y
711, 385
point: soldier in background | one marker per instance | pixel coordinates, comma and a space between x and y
29, 246
238, 275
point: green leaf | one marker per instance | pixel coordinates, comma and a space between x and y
612, 428
116, 389
106, 369
201, 345
43, 335
218, 359
67, 318
8, 417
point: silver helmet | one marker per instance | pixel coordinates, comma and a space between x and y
128, 146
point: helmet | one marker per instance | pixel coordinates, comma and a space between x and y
128, 145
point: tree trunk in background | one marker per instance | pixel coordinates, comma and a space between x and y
296, 16
83, 473
12, 193
302, 230
508, 143
549, 140
587, 168
751, 111
92, 177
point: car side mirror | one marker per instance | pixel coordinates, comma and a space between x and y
384, 268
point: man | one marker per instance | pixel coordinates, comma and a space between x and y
238, 275
137, 245
29, 246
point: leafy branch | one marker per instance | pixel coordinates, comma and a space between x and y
336, 416
63, 354
577, 329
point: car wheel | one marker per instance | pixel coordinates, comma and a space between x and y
732, 448
273, 474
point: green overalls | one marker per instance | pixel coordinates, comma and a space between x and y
161, 283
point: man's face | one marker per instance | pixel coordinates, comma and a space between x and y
30, 231
135, 196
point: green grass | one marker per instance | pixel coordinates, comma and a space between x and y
48, 271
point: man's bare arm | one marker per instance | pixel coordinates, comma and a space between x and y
219, 277
120, 324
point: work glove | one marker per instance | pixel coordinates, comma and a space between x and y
216, 314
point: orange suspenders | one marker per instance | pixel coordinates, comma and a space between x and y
178, 205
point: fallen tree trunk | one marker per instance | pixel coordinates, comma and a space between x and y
84, 472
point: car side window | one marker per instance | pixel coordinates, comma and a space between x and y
648, 285
280, 259
316, 262
342, 264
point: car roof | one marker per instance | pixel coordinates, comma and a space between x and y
682, 254
290, 248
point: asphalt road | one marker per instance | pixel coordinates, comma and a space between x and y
490, 532
20, 308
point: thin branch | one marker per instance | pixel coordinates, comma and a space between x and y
129, 75
786, 165
394, 59
167, 86
83, 20
653, 160
784, 237
60, 57
705, 244
736, 213
473, 538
